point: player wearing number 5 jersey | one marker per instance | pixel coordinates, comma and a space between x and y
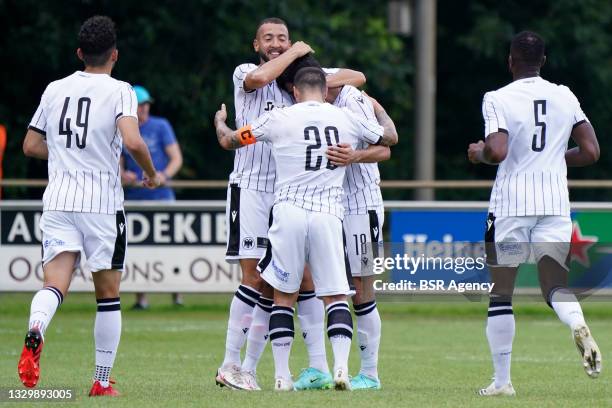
528, 124
80, 126
306, 217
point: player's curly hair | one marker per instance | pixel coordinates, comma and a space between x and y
287, 78
97, 40
528, 48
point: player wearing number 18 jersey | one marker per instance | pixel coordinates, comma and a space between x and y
527, 127
80, 127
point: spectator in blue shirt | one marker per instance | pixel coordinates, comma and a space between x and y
166, 154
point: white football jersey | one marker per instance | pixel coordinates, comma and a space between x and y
538, 117
254, 166
361, 183
299, 136
78, 115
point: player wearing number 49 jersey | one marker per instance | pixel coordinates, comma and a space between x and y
307, 213
80, 127
528, 124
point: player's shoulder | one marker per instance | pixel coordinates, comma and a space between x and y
351, 92
347, 112
495, 96
60, 83
241, 70
564, 91
283, 110
119, 84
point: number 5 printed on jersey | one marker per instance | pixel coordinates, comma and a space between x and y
82, 120
539, 108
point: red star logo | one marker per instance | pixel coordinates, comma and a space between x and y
581, 244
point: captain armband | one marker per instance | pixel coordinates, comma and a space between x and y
245, 135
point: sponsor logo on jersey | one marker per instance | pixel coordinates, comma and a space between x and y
234, 214
121, 228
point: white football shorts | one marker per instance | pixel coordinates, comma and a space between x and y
247, 215
527, 239
101, 237
299, 236
364, 240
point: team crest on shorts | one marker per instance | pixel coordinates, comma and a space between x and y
248, 243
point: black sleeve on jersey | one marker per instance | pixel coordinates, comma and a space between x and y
42, 132
578, 124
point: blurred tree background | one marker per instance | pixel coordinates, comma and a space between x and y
185, 52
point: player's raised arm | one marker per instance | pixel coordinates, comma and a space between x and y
345, 76
228, 138
270, 70
587, 151
389, 137
128, 126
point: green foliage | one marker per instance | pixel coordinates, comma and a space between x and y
185, 53
473, 45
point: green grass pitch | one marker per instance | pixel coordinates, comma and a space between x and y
432, 355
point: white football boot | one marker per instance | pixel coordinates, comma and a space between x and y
588, 350
506, 391
283, 384
230, 376
341, 380
249, 380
